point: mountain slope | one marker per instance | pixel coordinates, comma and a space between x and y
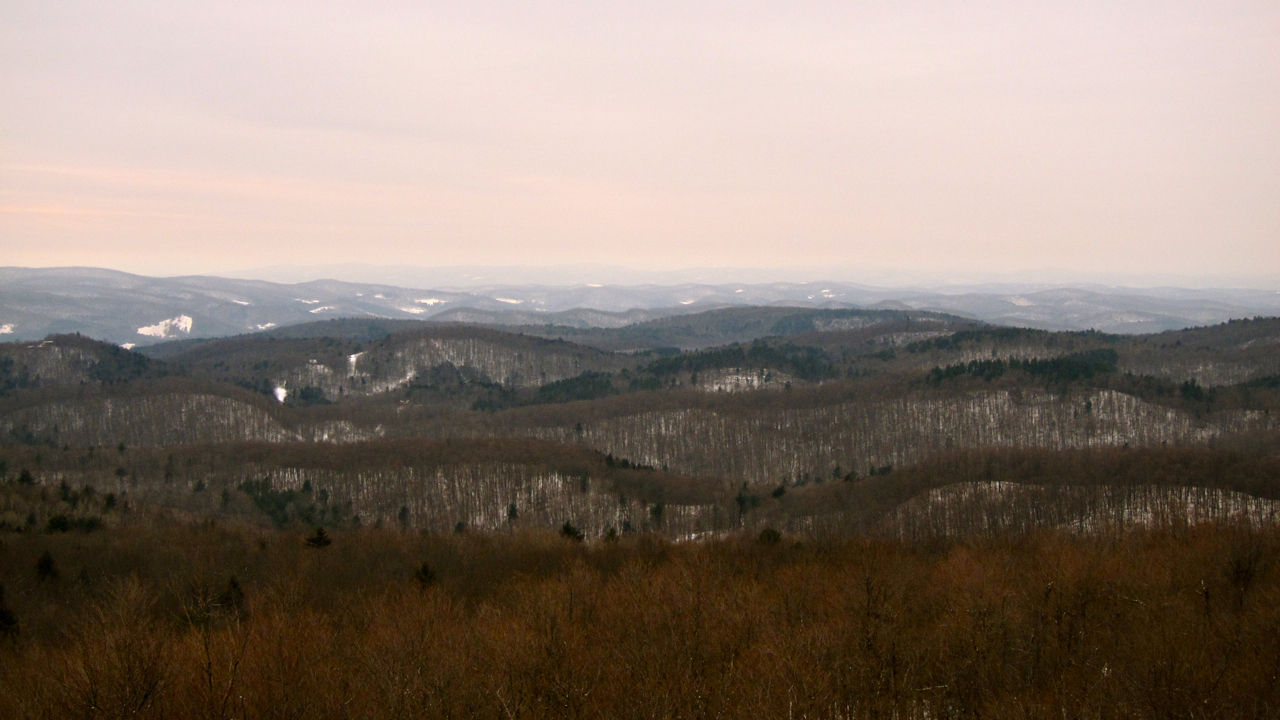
136, 310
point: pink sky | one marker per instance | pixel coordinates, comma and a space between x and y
965, 137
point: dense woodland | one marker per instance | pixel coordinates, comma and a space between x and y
544, 429
758, 512
218, 621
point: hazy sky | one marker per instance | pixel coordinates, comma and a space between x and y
1119, 136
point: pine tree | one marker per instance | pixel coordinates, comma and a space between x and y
233, 597
46, 569
425, 576
319, 539
8, 621
769, 536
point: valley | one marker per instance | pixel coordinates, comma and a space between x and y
724, 421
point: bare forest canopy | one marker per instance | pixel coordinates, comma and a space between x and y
804, 420
210, 620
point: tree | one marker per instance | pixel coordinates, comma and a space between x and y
45, 568
58, 523
571, 532
233, 597
425, 576
8, 621
319, 539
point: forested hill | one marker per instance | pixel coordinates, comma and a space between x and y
730, 325
800, 419
694, 330
134, 309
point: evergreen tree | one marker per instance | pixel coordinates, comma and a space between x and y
319, 539
425, 576
46, 569
571, 532
769, 536
8, 621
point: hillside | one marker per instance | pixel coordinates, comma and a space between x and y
137, 310
783, 428
729, 325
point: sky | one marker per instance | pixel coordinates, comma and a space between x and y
962, 139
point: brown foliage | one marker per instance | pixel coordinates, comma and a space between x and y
1148, 624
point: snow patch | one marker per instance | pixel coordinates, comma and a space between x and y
594, 285
280, 393
686, 302
322, 309
509, 300
241, 302
127, 346
430, 301
412, 310
380, 296
6, 329
168, 328
265, 326
351, 363
309, 302
738, 380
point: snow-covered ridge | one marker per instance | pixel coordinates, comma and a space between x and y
168, 328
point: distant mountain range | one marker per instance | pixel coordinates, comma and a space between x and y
466, 277
136, 310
